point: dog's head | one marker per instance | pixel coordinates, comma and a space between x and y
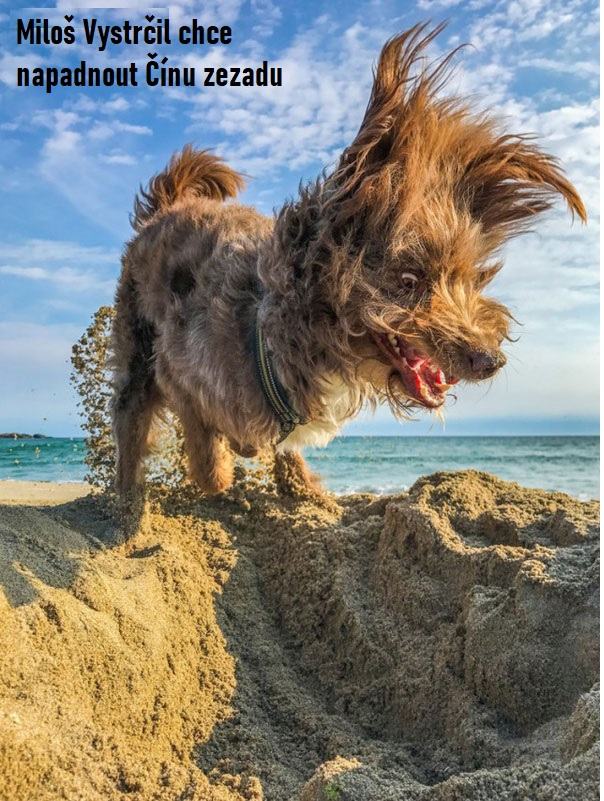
399, 243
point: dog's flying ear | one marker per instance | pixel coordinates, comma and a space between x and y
403, 93
486, 274
401, 86
511, 181
415, 144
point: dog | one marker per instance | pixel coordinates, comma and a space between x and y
368, 287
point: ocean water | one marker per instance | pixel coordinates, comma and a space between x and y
389, 464
373, 464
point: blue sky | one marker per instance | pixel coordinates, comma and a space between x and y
71, 161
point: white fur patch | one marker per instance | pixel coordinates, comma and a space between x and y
338, 399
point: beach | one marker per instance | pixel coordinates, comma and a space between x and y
44, 493
439, 644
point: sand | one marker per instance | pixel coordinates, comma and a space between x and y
439, 645
41, 492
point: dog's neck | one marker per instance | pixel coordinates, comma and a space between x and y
295, 358
274, 392
296, 323
314, 388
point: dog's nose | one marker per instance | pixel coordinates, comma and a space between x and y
484, 363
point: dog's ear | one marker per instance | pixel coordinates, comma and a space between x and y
401, 86
365, 182
511, 181
486, 275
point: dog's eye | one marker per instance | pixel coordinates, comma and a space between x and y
408, 280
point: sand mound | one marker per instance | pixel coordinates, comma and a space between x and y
437, 645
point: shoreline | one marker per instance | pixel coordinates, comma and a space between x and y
33, 492
421, 435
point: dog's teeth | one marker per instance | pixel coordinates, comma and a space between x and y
397, 349
392, 339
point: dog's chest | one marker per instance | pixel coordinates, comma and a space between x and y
338, 401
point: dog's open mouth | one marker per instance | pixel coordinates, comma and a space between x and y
424, 381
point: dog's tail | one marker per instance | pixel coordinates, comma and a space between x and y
192, 172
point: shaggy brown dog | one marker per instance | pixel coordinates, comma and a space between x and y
367, 287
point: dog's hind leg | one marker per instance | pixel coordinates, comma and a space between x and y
210, 458
135, 404
136, 400
135, 393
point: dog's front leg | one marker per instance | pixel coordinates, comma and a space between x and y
210, 458
293, 477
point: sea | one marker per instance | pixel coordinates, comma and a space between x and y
373, 464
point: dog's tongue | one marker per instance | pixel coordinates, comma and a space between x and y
414, 359
425, 381
421, 364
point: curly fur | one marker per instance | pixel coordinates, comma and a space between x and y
427, 186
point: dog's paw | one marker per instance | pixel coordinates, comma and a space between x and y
128, 513
293, 479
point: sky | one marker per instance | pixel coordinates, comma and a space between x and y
71, 161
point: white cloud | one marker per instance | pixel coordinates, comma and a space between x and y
108, 129
68, 266
101, 131
68, 5
577, 68
65, 277
9, 63
119, 158
117, 104
84, 103
73, 164
508, 23
307, 120
53, 250
431, 5
138, 130
222, 11
269, 15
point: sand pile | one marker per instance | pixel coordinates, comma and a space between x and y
437, 645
